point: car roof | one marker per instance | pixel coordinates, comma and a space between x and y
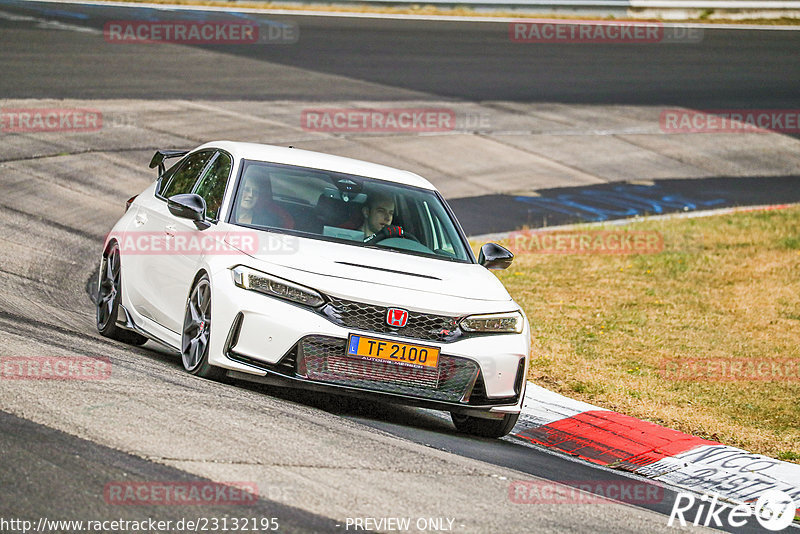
318, 160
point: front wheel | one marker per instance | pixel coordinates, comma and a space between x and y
486, 428
196, 336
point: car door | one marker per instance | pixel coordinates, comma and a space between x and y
188, 241
154, 267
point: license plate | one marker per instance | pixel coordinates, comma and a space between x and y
383, 350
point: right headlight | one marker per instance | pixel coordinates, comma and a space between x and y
247, 278
510, 322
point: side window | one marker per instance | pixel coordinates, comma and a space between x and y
166, 177
182, 181
212, 184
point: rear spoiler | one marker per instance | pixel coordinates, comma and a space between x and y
161, 155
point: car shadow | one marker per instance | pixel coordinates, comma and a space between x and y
364, 410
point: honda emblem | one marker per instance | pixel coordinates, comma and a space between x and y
396, 317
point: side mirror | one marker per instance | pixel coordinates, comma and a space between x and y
189, 206
493, 256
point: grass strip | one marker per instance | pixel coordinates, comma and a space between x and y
658, 336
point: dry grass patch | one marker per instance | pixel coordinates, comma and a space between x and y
724, 287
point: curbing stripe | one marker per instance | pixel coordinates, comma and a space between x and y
734, 473
542, 406
608, 438
611, 438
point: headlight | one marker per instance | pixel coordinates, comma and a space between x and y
247, 278
494, 322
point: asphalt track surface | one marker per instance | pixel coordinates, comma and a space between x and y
458, 60
48, 472
606, 202
35, 455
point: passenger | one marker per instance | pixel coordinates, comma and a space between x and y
256, 206
248, 199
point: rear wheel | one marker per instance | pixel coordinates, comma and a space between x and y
487, 428
109, 296
196, 336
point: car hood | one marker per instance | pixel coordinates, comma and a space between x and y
325, 265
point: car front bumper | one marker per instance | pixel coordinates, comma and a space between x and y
265, 339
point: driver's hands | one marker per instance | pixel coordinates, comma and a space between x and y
392, 231
385, 233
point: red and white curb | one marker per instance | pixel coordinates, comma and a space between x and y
611, 439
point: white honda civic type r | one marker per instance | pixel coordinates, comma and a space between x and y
297, 268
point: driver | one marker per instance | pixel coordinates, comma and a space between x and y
378, 213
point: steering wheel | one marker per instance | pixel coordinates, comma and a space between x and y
390, 231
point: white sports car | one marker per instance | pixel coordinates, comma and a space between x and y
304, 269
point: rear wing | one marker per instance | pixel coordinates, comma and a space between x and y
161, 155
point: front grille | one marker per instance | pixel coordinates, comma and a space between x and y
350, 314
323, 359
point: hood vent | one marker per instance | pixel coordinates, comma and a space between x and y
388, 270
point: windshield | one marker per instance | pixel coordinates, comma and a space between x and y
349, 209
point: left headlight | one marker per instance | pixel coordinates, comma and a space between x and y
247, 278
511, 322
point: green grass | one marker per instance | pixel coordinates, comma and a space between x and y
724, 287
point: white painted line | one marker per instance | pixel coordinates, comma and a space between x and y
737, 459
394, 16
241, 116
736, 475
47, 23
542, 406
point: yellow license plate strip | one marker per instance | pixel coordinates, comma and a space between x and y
384, 350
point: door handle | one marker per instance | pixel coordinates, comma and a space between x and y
170, 231
141, 219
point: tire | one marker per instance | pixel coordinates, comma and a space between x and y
485, 428
196, 336
109, 295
